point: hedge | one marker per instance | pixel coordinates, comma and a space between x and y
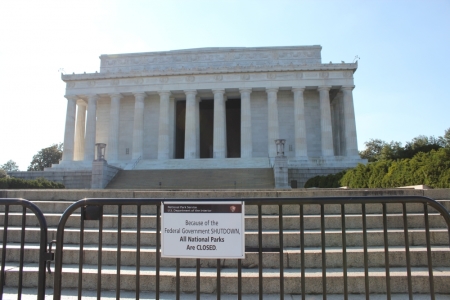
431, 168
39, 183
327, 181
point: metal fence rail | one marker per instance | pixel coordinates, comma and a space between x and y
93, 209
334, 211
6, 204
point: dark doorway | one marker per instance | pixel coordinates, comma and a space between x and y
180, 123
233, 127
206, 128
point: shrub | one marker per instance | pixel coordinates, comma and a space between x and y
430, 168
39, 183
327, 181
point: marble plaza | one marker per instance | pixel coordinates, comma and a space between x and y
213, 108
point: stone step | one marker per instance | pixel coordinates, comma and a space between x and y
309, 209
290, 222
260, 178
203, 163
71, 294
270, 238
250, 280
291, 257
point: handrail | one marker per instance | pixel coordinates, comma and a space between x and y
136, 162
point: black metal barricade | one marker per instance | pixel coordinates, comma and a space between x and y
93, 209
25, 205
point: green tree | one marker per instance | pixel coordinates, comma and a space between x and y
46, 157
445, 139
377, 149
421, 143
431, 168
373, 150
10, 166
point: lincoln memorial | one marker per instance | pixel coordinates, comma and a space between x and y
213, 108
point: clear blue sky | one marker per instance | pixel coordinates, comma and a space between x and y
402, 83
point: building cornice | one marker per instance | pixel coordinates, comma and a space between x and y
209, 70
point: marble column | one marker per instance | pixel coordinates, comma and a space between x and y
301, 147
138, 128
273, 130
351, 143
80, 130
190, 136
69, 132
325, 121
219, 135
171, 127
246, 124
197, 126
91, 126
163, 131
112, 149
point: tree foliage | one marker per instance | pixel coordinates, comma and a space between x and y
10, 166
431, 168
423, 160
46, 157
377, 149
445, 139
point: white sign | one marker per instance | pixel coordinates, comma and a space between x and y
203, 229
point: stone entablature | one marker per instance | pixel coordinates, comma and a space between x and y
310, 79
212, 65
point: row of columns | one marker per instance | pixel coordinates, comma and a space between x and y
76, 135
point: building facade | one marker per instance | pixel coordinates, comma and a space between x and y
213, 108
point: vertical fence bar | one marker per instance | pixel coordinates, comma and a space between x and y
22, 252
218, 280
5, 237
366, 257
280, 234
408, 256
324, 257
119, 249
240, 279
198, 279
430, 261
138, 252
158, 248
99, 256
81, 254
178, 279
260, 258
386, 253
302, 252
344, 251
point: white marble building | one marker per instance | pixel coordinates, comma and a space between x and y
213, 108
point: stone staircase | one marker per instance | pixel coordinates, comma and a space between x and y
250, 266
257, 178
204, 163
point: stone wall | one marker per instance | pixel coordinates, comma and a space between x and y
74, 195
